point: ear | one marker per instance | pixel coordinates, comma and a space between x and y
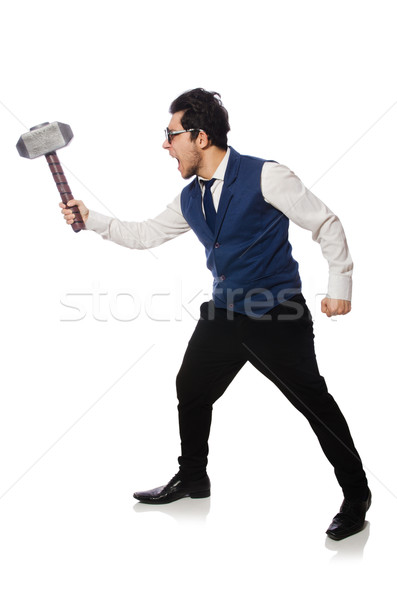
202, 140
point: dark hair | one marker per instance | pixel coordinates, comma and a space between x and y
203, 110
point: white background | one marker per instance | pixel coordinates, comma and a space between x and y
88, 408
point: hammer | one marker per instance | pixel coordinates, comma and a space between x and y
44, 140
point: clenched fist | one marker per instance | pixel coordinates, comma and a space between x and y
68, 214
332, 307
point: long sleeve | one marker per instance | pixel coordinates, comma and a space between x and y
286, 192
140, 235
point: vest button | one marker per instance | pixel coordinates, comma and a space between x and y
217, 245
223, 278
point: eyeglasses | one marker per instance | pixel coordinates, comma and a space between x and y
170, 134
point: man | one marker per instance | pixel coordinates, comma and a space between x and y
239, 207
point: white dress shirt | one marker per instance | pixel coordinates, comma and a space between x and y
281, 188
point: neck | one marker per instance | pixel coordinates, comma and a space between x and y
211, 159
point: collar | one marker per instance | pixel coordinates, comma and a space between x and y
221, 170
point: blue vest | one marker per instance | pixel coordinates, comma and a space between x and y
249, 254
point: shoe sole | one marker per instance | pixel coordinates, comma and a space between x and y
194, 495
337, 538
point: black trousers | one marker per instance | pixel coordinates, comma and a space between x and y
281, 346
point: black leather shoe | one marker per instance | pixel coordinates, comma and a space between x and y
350, 519
175, 490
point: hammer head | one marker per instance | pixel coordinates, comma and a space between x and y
43, 139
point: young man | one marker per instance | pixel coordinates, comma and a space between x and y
239, 207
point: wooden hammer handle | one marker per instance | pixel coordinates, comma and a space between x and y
64, 189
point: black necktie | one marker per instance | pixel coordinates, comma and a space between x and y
209, 208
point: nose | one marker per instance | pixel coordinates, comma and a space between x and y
166, 145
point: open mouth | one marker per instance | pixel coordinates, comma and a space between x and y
178, 161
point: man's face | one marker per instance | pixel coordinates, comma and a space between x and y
182, 148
